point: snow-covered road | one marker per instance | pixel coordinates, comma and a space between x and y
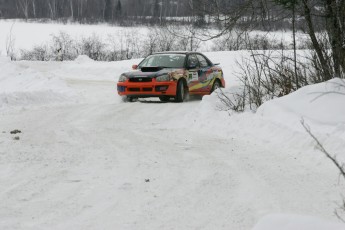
97, 163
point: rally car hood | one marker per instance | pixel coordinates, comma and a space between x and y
150, 72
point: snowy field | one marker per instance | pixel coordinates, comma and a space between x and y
26, 35
86, 160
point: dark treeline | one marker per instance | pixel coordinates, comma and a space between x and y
121, 11
96, 10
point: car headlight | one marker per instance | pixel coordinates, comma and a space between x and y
122, 78
164, 77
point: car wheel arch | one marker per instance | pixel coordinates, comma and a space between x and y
217, 80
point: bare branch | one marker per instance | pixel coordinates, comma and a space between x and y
323, 150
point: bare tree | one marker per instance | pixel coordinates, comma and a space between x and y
10, 41
52, 8
72, 9
23, 5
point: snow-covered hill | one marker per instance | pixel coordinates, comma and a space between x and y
85, 160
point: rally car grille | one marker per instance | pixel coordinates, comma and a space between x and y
134, 89
138, 89
140, 79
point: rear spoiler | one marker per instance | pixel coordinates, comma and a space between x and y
216, 63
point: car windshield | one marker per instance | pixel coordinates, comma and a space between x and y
164, 60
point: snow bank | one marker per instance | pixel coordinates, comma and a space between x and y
277, 123
22, 86
4, 59
294, 222
320, 105
83, 59
25, 83
84, 68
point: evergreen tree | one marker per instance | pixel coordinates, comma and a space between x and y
108, 10
287, 4
155, 12
118, 9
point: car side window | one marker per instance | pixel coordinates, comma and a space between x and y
147, 62
203, 62
192, 61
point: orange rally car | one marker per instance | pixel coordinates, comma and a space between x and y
170, 75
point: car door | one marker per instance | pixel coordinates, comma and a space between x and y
206, 75
193, 68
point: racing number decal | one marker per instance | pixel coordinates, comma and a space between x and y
194, 76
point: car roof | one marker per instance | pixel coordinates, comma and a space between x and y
183, 52
177, 52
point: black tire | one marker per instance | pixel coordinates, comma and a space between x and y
164, 98
127, 99
216, 85
180, 92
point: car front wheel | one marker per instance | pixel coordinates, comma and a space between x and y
164, 98
180, 92
215, 86
127, 99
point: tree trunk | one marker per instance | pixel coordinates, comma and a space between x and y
177, 7
294, 43
336, 35
71, 7
24, 7
34, 7
324, 64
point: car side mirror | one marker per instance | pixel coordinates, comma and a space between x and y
134, 67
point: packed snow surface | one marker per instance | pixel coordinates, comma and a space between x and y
86, 160
294, 222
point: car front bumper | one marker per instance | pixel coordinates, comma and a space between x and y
146, 89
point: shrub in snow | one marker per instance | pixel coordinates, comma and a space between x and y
233, 99
63, 47
267, 75
38, 53
127, 44
242, 40
93, 47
